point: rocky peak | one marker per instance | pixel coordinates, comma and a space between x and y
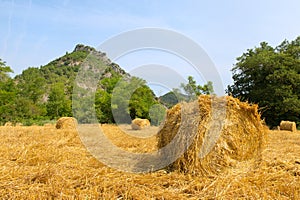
91, 50
81, 47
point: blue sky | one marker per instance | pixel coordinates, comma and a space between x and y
32, 33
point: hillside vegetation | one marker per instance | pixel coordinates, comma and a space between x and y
270, 77
45, 93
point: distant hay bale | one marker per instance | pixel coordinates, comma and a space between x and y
8, 124
48, 125
66, 123
276, 128
139, 124
216, 144
288, 126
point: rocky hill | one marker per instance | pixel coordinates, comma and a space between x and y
46, 92
64, 70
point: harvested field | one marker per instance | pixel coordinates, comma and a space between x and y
48, 163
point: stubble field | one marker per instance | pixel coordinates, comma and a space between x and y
41, 162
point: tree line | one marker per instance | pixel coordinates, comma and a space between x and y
266, 75
270, 77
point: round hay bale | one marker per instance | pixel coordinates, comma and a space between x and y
217, 143
288, 126
19, 124
66, 123
276, 128
139, 124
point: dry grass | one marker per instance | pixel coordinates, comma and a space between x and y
46, 163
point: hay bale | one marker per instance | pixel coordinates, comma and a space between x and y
139, 124
66, 123
216, 144
48, 125
288, 126
8, 124
276, 128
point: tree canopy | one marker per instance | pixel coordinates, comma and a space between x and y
270, 77
186, 92
192, 89
4, 70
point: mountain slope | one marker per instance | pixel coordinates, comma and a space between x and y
47, 90
171, 98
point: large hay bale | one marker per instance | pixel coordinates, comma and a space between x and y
66, 123
215, 144
139, 124
288, 126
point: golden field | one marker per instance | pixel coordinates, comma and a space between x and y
41, 162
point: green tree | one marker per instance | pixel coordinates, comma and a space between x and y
157, 114
82, 107
103, 107
58, 104
171, 98
25, 110
141, 101
270, 77
7, 105
7, 95
131, 98
4, 70
193, 90
31, 84
103, 98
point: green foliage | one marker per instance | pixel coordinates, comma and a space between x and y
27, 109
190, 92
7, 94
270, 77
4, 70
141, 101
157, 114
123, 99
58, 104
44, 93
63, 69
103, 107
31, 84
169, 99
193, 90
131, 98
83, 108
